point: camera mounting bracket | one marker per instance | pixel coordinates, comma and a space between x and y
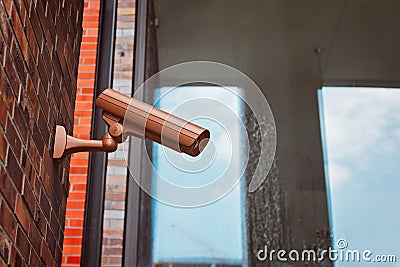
65, 144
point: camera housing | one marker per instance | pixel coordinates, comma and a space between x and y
127, 116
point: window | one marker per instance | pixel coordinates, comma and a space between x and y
210, 234
361, 136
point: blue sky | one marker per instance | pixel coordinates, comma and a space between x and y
211, 233
362, 162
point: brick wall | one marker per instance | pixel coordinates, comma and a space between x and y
116, 170
39, 49
83, 116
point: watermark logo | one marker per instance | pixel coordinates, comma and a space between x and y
342, 243
342, 253
224, 159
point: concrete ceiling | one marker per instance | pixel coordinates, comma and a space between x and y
367, 45
360, 39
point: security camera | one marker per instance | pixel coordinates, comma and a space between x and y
127, 116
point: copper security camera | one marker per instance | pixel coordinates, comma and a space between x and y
127, 116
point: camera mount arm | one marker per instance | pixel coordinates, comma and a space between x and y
65, 144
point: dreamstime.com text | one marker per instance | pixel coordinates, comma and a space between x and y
342, 253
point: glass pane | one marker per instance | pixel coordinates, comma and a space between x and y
361, 132
211, 234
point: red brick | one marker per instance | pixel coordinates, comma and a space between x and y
3, 147
81, 97
94, 4
115, 197
7, 188
72, 240
88, 53
5, 245
82, 129
90, 12
82, 135
85, 75
79, 161
84, 68
76, 223
115, 260
76, 214
85, 121
73, 259
22, 214
112, 251
73, 232
92, 32
85, 82
85, 113
75, 250
79, 187
76, 204
116, 241
89, 61
7, 221
87, 91
90, 24
78, 170
87, 39
78, 178
77, 195
81, 155
22, 244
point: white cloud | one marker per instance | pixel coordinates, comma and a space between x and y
396, 133
338, 175
360, 125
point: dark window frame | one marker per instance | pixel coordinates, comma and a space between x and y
96, 183
137, 241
